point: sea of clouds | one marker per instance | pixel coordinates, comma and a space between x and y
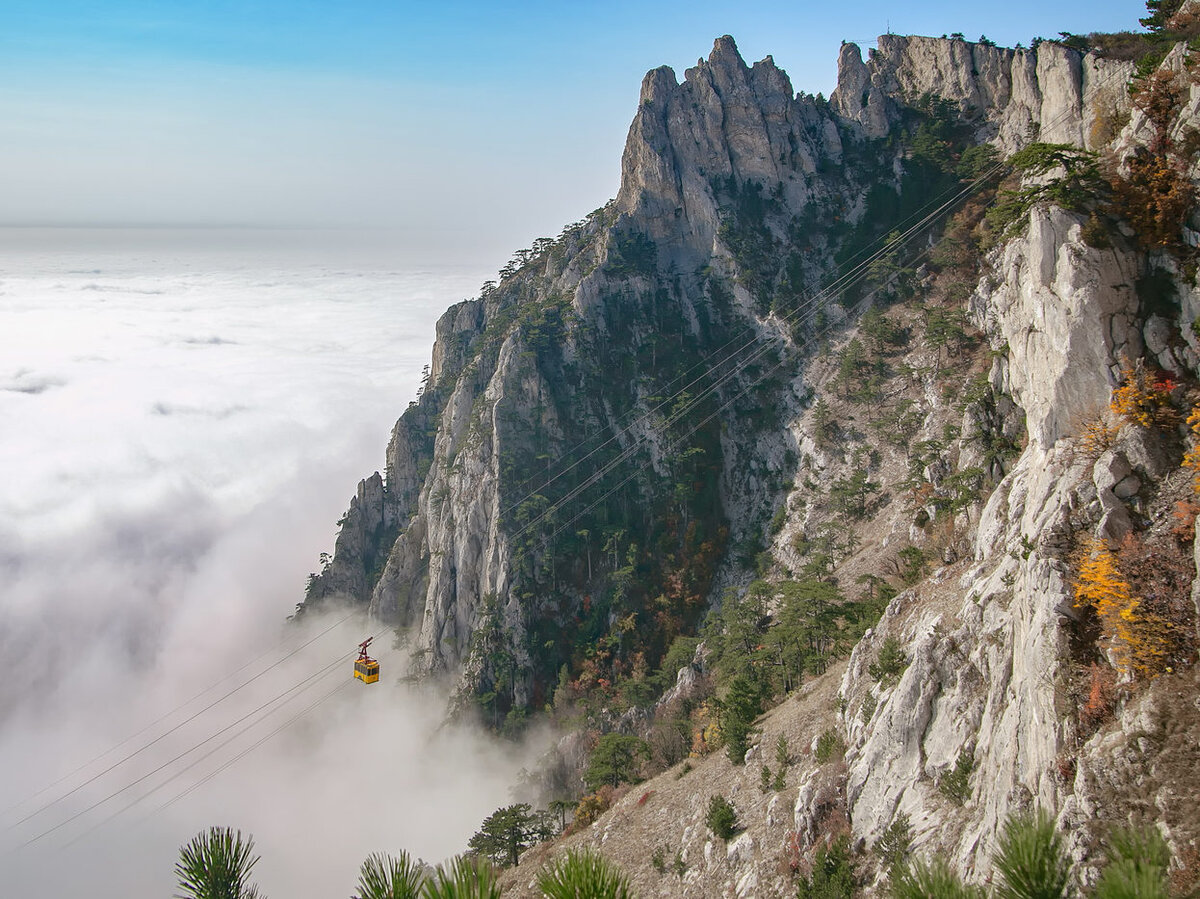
183, 418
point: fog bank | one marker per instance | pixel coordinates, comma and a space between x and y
186, 417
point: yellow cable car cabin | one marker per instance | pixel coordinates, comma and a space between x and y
367, 672
366, 669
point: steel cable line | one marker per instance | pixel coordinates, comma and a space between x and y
245, 752
847, 275
232, 737
167, 733
825, 293
301, 685
762, 347
167, 715
756, 343
676, 442
144, 777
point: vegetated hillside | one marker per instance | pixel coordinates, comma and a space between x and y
827, 380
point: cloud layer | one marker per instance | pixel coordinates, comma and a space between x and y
184, 423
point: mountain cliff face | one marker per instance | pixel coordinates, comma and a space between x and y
636, 418
569, 455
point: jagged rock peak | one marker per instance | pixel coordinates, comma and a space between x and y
724, 120
1051, 90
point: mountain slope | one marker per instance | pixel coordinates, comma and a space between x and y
810, 350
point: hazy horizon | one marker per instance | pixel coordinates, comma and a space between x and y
469, 127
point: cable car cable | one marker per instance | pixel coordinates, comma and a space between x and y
756, 344
181, 755
300, 685
245, 752
763, 347
850, 276
176, 775
167, 715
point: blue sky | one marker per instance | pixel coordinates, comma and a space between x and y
485, 124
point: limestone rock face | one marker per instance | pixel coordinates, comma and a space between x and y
1067, 313
986, 667
979, 682
726, 120
1051, 91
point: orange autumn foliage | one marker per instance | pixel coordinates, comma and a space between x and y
1098, 434
1144, 397
1136, 641
1191, 458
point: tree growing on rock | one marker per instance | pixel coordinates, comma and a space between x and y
615, 760
506, 833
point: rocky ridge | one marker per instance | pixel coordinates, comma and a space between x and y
436, 547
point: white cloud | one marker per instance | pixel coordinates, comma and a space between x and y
183, 425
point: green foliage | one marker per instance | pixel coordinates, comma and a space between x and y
658, 860
216, 864
583, 874
977, 161
721, 818
507, 832
778, 519
1029, 861
765, 780
678, 655
929, 880
385, 876
895, 843
783, 755
744, 230
867, 710
955, 784
463, 877
889, 664
825, 426
851, 495
887, 271
931, 140
912, 564
771, 654
632, 253
742, 704
832, 874
830, 746
1138, 866
615, 760
883, 333
1160, 14
1079, 185
678, 865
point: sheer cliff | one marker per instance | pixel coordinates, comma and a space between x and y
812, 348
601, 430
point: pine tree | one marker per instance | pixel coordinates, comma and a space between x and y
216, 864
506, 833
